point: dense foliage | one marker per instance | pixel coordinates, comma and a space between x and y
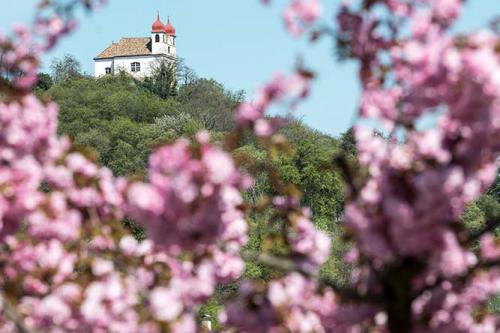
123, 121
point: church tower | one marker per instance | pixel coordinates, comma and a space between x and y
171, 36
163, 38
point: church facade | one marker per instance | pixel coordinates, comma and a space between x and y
137, 56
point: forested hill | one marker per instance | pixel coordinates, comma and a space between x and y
123, 119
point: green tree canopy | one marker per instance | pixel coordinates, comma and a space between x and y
44, 82
163, 80
211, 103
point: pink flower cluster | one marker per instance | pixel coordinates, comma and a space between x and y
458, 308
279, 90
292, 302
22, 51
192, 200
74, 270
405, 216
72, 267
299, 15
443, 168
421, 179
68, 264
106, 286
18, 60
310, 247
27, 143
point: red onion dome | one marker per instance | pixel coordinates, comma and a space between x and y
158, 25
169, 28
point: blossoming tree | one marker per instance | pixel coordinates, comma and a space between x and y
68, 265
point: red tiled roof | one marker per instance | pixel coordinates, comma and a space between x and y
127, 47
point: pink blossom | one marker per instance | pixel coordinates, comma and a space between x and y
312, 243
165, 304
280, 89
185, 205
490, 249
402, 208
102, 267
300, 14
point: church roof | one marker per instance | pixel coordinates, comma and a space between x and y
158, 25
169, 28
127, 47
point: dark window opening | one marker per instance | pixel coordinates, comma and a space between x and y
157, 38
135, 67
108, 70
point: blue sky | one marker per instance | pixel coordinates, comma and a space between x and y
240, 43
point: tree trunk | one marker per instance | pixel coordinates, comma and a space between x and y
399, 296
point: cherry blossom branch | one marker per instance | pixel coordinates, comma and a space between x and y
10, 312
460, 278
288, 265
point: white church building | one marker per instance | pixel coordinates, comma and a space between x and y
136, 56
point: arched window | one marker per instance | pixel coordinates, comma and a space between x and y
157, 38
169, 49
135, 67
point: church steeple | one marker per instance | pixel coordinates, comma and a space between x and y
163, 37
158, 25
169, 28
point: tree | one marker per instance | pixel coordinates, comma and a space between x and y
494, 190
70, 265
208, 101
65, 68
312, 157
348, 142
185, 74
44, 82
163, 79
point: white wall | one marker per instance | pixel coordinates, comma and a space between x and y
157, 48
100, 66
166, 44
171, 44
124, 64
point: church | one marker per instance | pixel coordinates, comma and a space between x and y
137, 56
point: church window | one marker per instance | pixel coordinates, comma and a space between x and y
108, 70
157, 38
136, 67
169, 49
